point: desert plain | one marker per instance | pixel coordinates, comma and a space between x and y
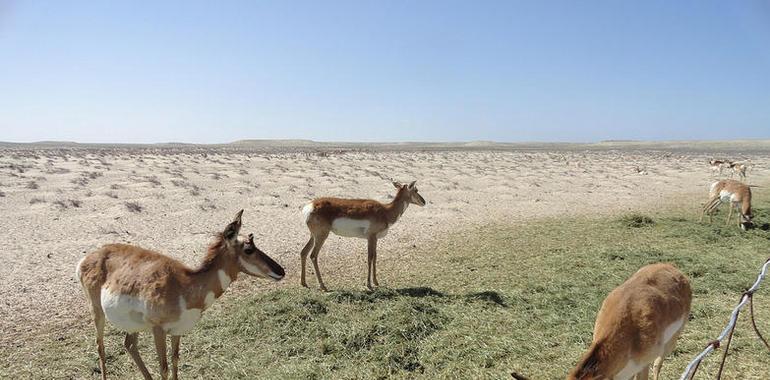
60, 201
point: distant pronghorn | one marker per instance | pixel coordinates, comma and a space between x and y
362, 218
639, 322
139, 290
717, 166
739, 169
739, 196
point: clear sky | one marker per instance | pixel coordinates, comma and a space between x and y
210, 72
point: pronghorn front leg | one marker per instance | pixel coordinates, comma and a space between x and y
160, 348
730, 213
303, 259
371, 258
174, 357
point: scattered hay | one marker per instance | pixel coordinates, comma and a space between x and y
636, 220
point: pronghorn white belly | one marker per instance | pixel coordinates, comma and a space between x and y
187, 319
125, 312
351, 227
726, 196
633, 367
307, 210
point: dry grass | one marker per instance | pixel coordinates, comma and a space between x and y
486, 302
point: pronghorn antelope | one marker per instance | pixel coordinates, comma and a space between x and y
735, 192
638, 323
362, 218
739, 169
717, 166
139, 290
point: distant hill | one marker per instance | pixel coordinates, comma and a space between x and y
724, 146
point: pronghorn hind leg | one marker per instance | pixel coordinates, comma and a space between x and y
709, 208
175, 357
371, 257
160, 348
374, 266
643, 374
98, 314
303, 260
132, 346
319, 242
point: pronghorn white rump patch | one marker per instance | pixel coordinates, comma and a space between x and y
78, 270
307, 210
186, 321
224, 279
351, 227
713, 186
126, 312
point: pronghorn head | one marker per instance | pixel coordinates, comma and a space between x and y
251, 260
410, 193
746, 221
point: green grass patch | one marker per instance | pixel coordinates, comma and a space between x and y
480, 305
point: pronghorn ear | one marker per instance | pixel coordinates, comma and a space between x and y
411, 185
397, 184
232, 229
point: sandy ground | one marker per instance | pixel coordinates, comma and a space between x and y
56, 205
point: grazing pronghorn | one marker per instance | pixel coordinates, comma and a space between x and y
638, 323
735, 192
362, 218
139, 290
717, 166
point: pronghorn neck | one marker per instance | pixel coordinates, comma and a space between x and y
746, 204
217, 271
592, 364
397, 207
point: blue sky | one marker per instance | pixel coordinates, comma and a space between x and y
384, 71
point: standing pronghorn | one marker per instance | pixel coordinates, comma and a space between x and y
735, 192
739, 169
718, 165
139, 290
638, 323
362, 218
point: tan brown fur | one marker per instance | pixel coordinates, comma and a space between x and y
380, 217
631, 323
160, 282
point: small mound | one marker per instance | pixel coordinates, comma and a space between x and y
637, 220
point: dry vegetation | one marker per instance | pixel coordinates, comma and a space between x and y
501, 293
